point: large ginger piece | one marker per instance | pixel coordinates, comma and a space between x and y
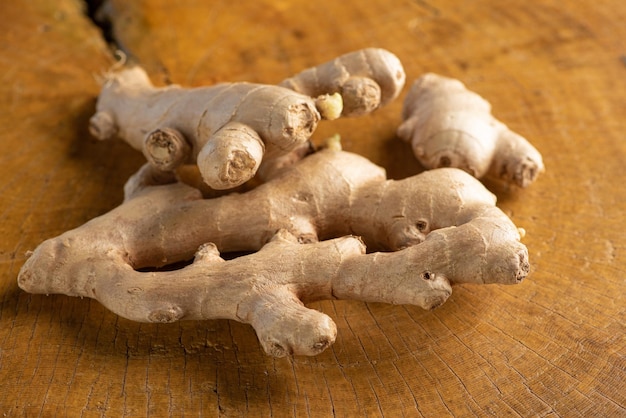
266, 289
450, 126
326, 195
229, 128
366, 79
444, 223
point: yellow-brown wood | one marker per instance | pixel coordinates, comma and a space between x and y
551, 346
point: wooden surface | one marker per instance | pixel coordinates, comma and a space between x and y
552, 346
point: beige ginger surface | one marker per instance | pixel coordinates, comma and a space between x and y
449, 126
227, 129
458, 236
366, 79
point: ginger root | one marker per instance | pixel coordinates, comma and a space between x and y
326, 195
450, 126
365, 79
226, 129
266, 289
229, 128
443, 223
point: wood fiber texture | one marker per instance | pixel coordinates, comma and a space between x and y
554, 345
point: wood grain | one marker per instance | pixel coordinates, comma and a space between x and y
551, 346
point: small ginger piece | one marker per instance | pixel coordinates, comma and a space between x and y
366, 79
443, 225
450, 126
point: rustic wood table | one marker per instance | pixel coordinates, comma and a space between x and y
552, 346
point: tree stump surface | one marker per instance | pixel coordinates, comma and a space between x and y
552, 346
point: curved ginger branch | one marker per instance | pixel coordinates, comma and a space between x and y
266, 289
366, 79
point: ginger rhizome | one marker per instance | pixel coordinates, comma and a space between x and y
449, 126
365, 79
443, 223
229, 128
226, 129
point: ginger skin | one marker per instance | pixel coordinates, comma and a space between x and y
266, 289
450, 126
226, 129
326, 195
444, 224
230, 128
366, 79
